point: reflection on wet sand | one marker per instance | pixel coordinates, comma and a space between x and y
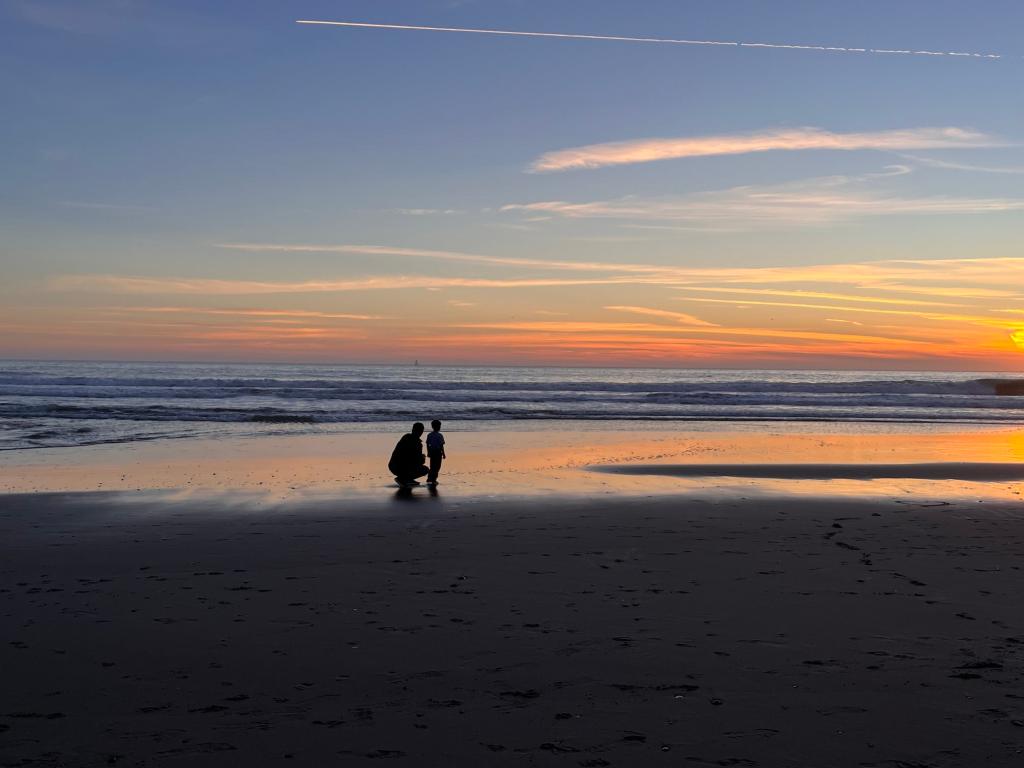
822, 459
420, 493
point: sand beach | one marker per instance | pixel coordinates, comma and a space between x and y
604, 618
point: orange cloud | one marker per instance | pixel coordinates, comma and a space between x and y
824, 295
650, 150
801, 306
812, 202
774, 333
679, 317
281, 313
969, 319
215, 287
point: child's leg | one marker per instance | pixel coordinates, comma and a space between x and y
435, 467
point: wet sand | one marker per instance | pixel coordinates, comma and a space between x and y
527, 460
701, 629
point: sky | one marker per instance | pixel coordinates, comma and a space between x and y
836, 185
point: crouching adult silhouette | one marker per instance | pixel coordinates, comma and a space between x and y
407, 460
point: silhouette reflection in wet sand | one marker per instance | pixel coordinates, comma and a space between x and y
407, 460
406, 494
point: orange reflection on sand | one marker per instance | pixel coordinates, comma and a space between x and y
522, 461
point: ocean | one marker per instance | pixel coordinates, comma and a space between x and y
53, 404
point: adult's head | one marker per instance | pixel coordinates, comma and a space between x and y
417, 428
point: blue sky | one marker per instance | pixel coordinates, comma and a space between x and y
143, 136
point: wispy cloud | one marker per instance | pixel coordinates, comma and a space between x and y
422, 253
786, 313
808, 202
920, 314
824, 295
956, 274
215, 287
962, 292
789, 139
932, 162
773, 333
428, 211
943, 277
259, 313
679, 317
662, 40
790, 313
631, 347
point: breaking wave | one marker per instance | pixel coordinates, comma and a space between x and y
48, 404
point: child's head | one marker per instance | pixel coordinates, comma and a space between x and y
436, 425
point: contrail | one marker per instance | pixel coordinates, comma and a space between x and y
669, 40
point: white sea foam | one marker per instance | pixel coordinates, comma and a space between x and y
48, 404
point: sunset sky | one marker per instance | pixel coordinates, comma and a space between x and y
188, 180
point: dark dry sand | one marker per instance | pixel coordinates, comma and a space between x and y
970, 471
572, 632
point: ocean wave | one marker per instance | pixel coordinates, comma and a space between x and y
39, 385
754, 408
52, 404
